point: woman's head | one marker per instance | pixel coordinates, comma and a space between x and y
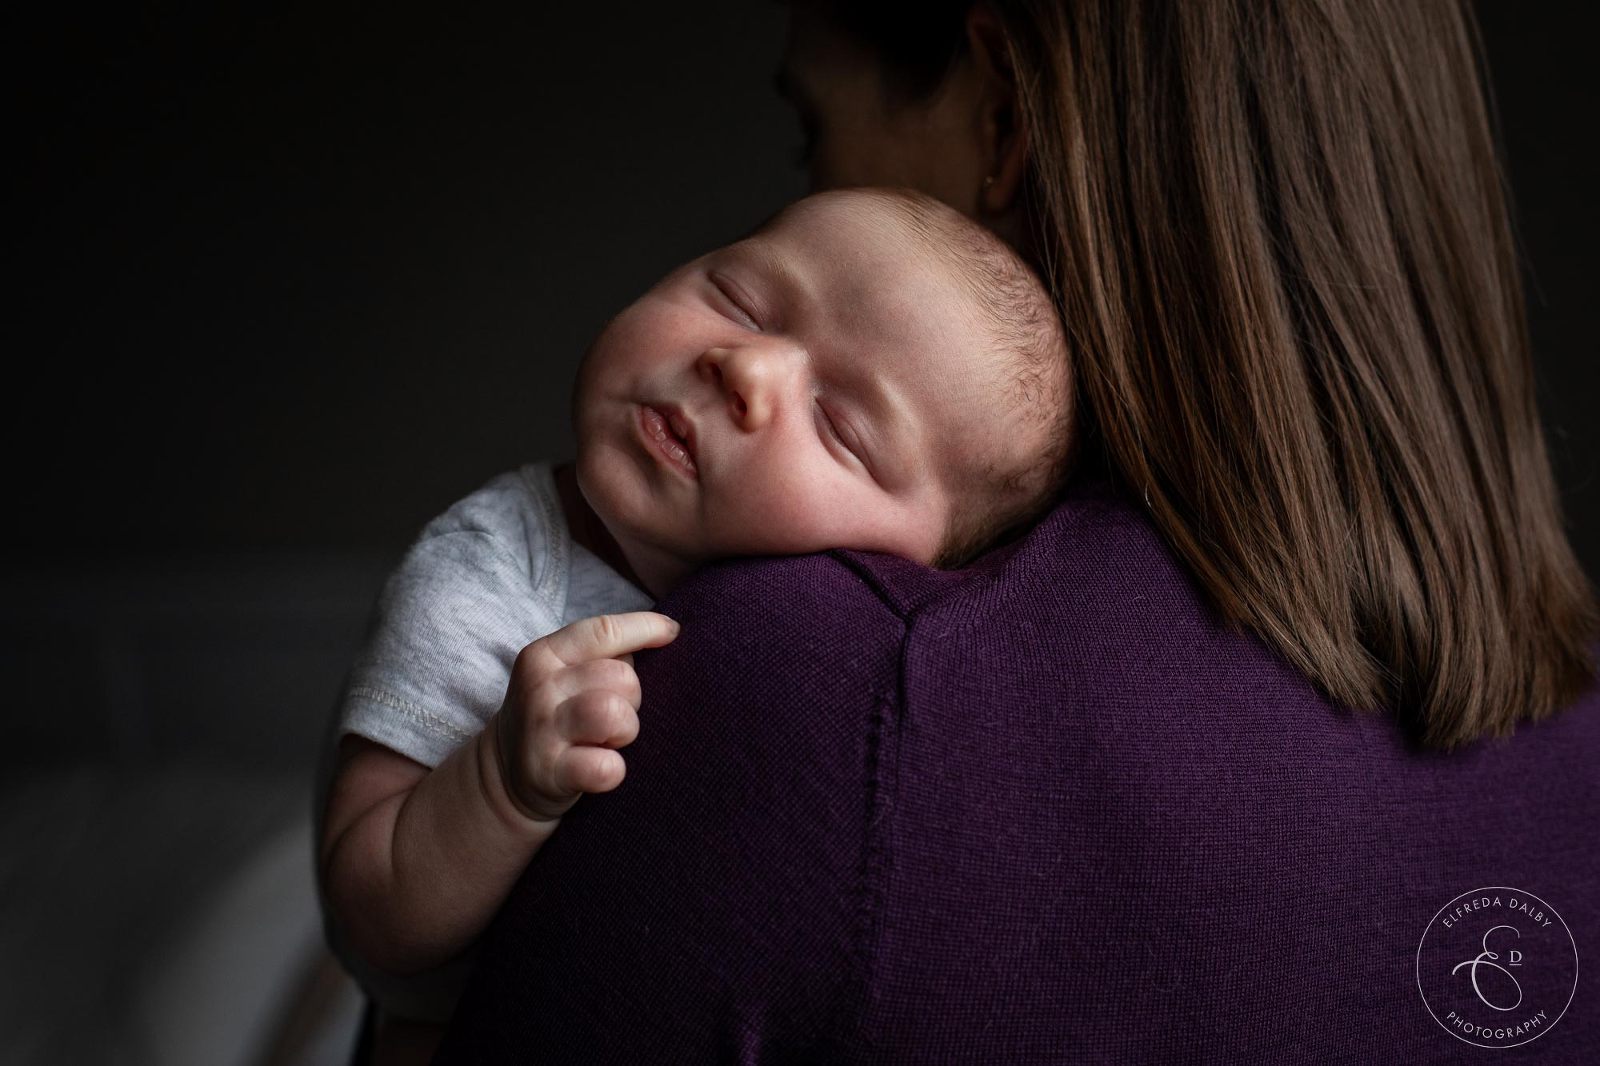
1277, 235
909, 95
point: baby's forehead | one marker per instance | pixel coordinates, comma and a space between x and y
865, 254
874, 218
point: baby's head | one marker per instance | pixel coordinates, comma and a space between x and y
869, 369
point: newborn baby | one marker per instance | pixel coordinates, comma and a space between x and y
868, 370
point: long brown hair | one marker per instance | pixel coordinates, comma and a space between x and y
1277, 234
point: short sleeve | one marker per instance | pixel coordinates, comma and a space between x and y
712, 907
482, 581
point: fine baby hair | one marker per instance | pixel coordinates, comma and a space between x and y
1009, 490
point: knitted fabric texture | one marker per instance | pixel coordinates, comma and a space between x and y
1044, 809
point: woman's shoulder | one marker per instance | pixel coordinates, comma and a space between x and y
782, 595
1084, 554
1092, 541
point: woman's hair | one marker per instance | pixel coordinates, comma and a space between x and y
1277, 234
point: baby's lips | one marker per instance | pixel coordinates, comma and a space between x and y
682, 428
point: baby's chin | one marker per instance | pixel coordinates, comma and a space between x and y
625, 509
595, 485
658, 568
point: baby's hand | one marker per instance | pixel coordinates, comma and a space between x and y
574, 697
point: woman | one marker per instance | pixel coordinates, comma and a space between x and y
1101, 795
1346, 374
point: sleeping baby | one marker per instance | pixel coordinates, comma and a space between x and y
868, 370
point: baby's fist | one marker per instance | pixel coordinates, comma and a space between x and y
572, 700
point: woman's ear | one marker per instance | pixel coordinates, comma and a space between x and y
1002, 133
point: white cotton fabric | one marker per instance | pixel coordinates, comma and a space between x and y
495, 572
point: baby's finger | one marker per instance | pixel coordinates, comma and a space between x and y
606, 636
598, 716
591, 769
606, 675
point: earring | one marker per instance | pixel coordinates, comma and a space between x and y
988, 181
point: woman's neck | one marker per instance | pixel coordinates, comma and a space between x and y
586, 527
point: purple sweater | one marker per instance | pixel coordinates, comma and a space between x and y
1045, 809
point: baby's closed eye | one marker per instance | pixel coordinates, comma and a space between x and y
736, 300
840, 433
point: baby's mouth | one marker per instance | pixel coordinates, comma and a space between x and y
671, 434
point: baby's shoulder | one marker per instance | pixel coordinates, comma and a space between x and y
515, 504
511, 524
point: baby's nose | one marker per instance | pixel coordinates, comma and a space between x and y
747, 378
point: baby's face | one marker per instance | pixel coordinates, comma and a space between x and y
819, 385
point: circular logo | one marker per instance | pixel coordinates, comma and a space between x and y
1497, 967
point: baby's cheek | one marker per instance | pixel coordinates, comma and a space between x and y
789, 513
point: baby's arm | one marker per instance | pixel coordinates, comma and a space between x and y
417, 862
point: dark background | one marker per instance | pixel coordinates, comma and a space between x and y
290, 278
296, 276
299, 275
